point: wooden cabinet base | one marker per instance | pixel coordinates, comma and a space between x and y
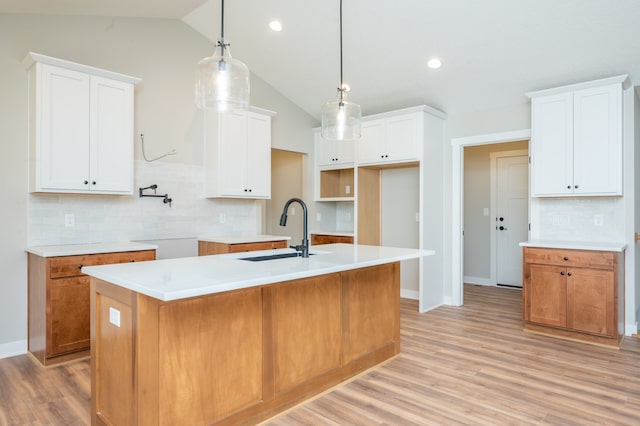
237, 357
574, 335
59, 303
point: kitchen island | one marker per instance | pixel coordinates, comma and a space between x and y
222, 340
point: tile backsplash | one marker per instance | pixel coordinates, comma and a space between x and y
597, 219
99, 218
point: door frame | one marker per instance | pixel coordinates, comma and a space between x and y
493, 277
457, 200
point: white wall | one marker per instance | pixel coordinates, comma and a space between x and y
163, 53
399, 199
513, 118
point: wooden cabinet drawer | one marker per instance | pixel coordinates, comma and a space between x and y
318, 239
267, 245
572, 258
71, 266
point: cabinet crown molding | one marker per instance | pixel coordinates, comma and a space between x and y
32, 58
619, 79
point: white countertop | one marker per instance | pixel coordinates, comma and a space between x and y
576, 245
94, 248
241, 239
172, 279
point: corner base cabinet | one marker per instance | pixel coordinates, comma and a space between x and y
574, 294
59, 308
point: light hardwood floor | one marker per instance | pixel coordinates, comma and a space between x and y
469, 365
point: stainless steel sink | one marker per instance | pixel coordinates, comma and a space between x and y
272, 256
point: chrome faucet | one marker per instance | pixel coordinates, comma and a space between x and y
304, 248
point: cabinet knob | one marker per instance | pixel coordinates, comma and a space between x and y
576, 187
562, 273
93, 182
132, 260
569, 273
568, 186
80, 266
565, 258
86, 182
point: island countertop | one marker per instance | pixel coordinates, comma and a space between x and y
173, 279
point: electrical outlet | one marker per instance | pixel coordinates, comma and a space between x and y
318, 216
485, 211
114, 316
347, 216
598, 220
347, 189
292, 211
418, 217
69, 220
223, 218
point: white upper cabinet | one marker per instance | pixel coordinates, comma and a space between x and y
80, 128
389, 140
238, 154
333, 153
576, 140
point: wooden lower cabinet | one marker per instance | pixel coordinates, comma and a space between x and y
318, 239
238, 357
208, 247
59, 320
574, 294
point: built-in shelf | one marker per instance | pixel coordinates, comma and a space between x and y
337, 184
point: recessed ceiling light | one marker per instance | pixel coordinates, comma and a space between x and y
275, 26
434, 63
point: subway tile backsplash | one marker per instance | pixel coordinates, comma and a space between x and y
597, 219
99, 218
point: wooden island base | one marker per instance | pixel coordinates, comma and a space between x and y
237, 357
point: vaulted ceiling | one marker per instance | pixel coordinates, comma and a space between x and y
493, 51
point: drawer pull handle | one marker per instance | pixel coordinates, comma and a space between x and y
566, 258
80, 266
132, 260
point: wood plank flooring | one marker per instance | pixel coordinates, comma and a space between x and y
469, 365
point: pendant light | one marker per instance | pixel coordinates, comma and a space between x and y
222, 82
341, 118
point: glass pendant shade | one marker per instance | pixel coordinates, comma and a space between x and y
222, 82
341, 120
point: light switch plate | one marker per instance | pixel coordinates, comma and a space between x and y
114, 316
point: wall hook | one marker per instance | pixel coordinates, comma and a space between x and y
165, 197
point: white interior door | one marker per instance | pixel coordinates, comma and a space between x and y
511, 225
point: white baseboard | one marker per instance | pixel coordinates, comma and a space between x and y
10, 349
478, 280
630, 329
409, 294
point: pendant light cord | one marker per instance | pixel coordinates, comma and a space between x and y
341, 88
221, 42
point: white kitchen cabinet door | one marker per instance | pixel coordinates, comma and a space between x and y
237, 154
259, 155
111, 130
61, 128
552, 145
334, 153
80, 128
389, 140
597, 146
402, 138
371, 146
